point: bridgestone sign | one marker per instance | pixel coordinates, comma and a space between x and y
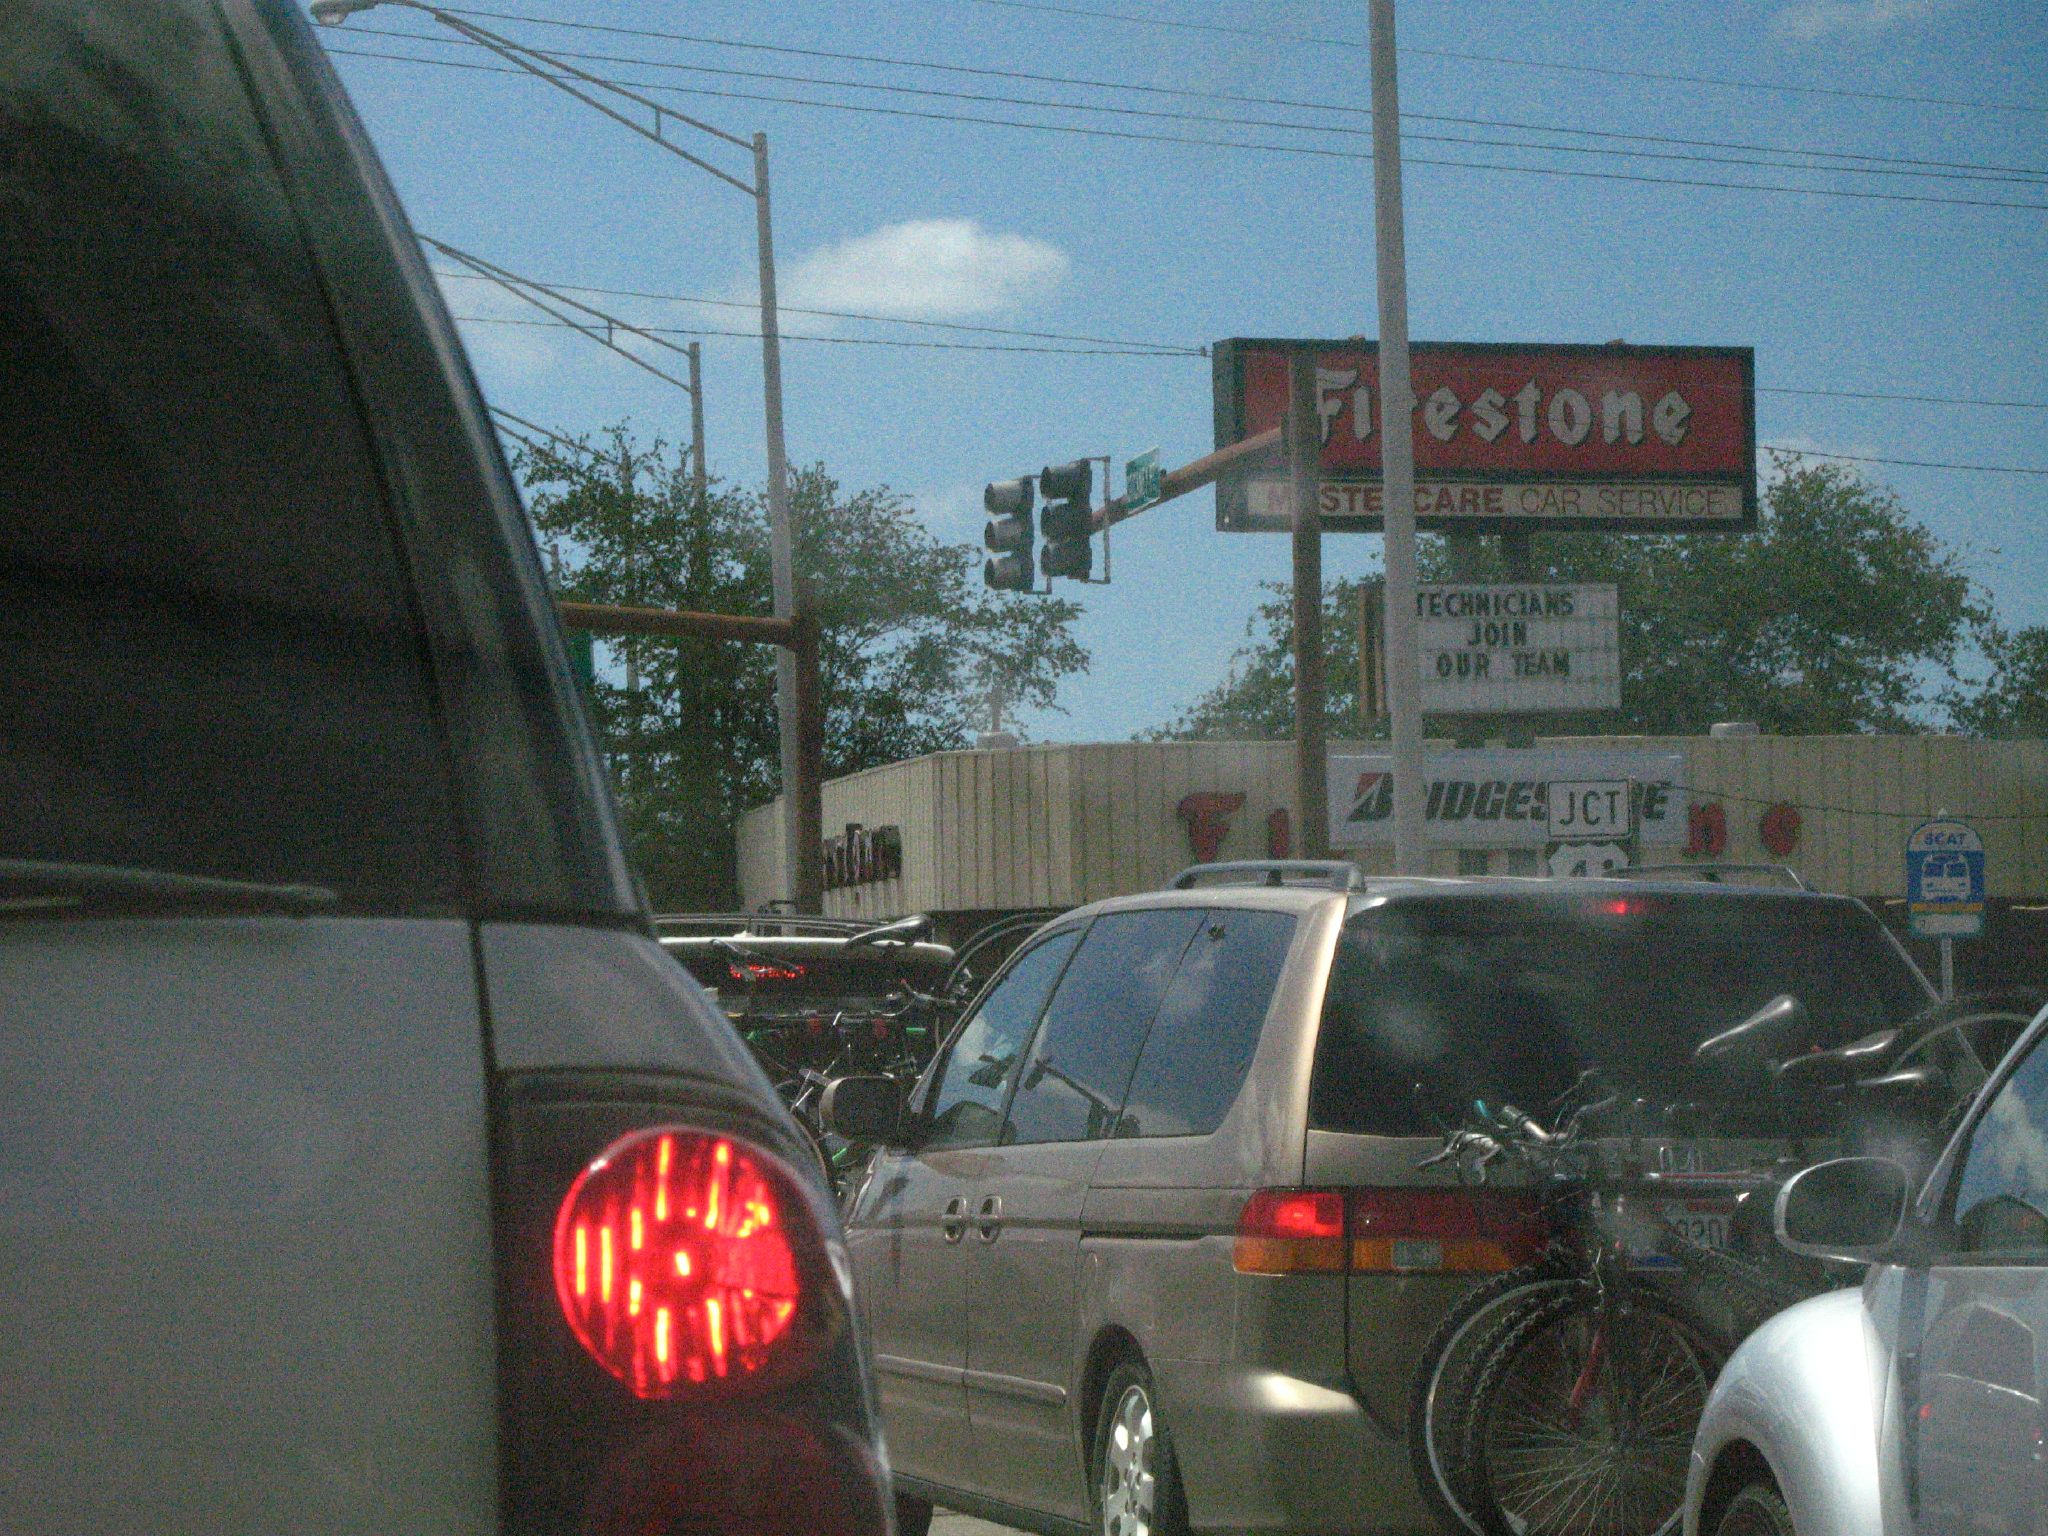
1646, 439
1500, 798
1518, 647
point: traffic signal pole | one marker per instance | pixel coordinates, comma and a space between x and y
1305, 456
1397, 453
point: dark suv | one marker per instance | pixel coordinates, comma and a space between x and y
365, 1165
1149, 1250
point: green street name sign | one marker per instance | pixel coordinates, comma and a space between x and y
1142, 480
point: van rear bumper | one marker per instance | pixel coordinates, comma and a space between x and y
1261, 1451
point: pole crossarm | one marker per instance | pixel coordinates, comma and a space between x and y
682, 624
1206, 470
525, 288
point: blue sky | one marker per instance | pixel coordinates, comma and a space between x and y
1186, 244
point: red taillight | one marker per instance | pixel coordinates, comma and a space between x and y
1386, 1231
1290, 1232
763, 970
674, 1261
1443, 1231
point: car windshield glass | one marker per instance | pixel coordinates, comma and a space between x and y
1511, 998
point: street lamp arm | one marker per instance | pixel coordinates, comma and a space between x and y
333, 12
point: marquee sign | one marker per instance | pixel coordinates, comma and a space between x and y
1518, 647
1507, 436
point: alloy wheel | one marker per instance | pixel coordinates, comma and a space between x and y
1129, 1488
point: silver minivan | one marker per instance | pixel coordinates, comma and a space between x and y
365, 1164
1147, 1248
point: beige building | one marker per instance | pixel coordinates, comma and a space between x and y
1057, 825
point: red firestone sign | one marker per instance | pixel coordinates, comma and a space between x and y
1507, 436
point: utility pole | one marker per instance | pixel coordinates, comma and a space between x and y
1305, 460
700, 476
1397, 454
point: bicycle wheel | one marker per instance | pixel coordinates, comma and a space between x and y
1583, 1420
1440, 1400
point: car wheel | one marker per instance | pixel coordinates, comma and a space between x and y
913, 1516
1757, 1509
1137, 1481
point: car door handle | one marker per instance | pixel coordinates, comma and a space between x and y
988, 1218
954, 1222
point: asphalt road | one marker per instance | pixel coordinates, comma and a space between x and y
946, 1523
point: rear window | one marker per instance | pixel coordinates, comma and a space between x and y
210, 663
1510, 998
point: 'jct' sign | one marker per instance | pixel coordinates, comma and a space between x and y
1501, 798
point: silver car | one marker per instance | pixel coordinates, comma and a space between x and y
1148, 1251
1917, 1403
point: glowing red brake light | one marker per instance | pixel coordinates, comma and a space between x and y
763, 970
1290, 1232
675, 1264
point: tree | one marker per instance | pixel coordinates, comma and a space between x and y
911, 645
2013, 700
1840, 613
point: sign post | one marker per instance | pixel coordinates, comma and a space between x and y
1945, 888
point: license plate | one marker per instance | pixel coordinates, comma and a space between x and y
1704, 1222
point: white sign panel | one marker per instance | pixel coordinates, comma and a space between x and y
1518, 647
1500, 798
1583, 808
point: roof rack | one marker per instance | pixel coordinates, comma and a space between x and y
1716, 874
1336, 874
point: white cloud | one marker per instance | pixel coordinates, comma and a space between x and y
953, 512
504, 354
1809, 21
926, 269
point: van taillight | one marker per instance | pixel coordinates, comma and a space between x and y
1386, 1231
1442, 1231
1290, 1232
673, 1262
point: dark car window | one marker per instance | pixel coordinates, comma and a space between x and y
2001, 1206
211, 661
1073, 1083
967, 1104
1510, 998
1202, 1039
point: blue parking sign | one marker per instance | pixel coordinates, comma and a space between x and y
1945, 880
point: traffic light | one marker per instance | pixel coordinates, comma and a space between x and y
1009, 504
1069, 520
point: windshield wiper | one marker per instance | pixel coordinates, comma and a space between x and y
32, 887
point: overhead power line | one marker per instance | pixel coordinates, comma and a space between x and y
656, 332
1865, 458
1315, 151
1208, 95
1167, 349
1268, 34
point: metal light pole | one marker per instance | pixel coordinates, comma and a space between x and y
801, 751
1397, 454
700, 475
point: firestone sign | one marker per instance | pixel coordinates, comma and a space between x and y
1513, 436
1500, 798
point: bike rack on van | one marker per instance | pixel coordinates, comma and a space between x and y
1337, 874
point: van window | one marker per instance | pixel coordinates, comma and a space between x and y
1510, 998
1073, 1084
967, 1105
211, 667
1202, 1040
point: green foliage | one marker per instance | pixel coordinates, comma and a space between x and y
2013, 700
1841, 613
911, 647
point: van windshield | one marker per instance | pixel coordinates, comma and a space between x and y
1510, 998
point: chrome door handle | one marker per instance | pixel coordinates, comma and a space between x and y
954, 1222
988, 1218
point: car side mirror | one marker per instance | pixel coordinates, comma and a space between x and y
864, 1109
1852, 1208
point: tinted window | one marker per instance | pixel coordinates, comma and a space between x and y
967, 1105
211, 667
1509, 998
2002, 1197
1080, 1064
1202, 1040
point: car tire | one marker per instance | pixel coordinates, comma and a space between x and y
1757, 1509
1135, 1479
913, 1516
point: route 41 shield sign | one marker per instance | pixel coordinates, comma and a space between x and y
1945, 880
